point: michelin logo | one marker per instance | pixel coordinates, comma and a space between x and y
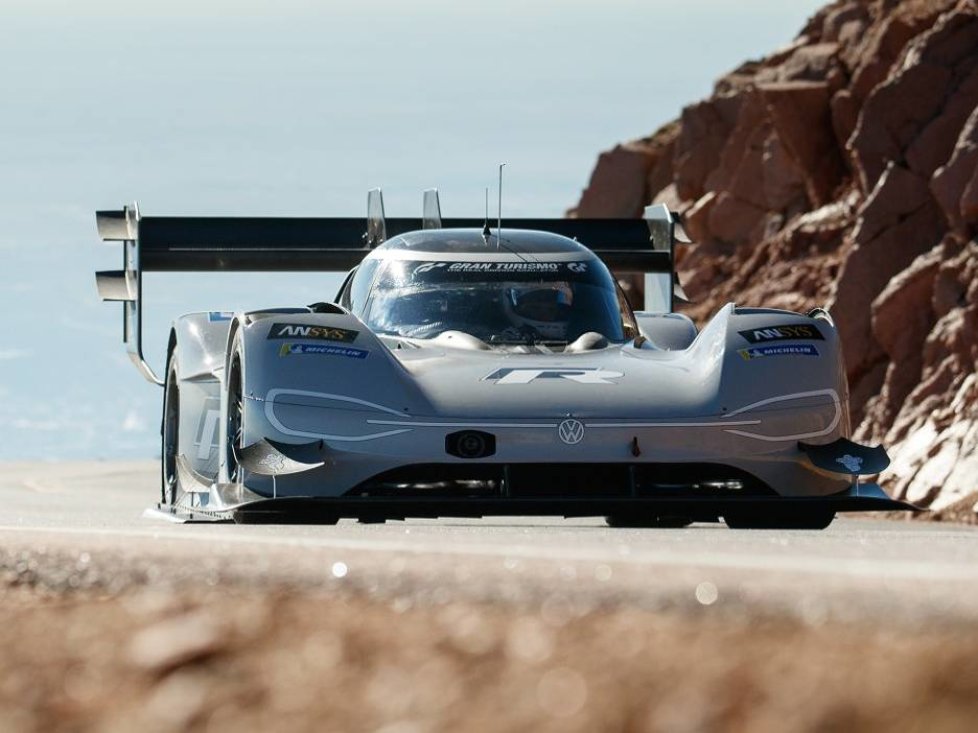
759, 352
322, 350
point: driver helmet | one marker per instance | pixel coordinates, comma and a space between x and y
545, 309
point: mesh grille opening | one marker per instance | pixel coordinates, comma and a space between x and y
556, 480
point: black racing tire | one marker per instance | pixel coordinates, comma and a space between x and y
246, 516
234, 428
647, 521
812, 518
170, 432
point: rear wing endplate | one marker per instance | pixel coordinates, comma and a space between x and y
336, 244
125, 285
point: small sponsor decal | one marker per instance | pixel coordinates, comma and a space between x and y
500, 267
571, 431
220, 316
758, 352
793, 332
583, 375
504, 267
322, 349
275, 464
313, 333
852, 463
428, 267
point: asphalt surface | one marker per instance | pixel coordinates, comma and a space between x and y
82, 524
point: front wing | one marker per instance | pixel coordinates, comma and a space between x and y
707, 501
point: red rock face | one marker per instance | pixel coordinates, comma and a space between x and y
842, 171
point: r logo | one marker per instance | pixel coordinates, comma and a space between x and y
584, 375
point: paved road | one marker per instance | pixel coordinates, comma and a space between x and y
87, 517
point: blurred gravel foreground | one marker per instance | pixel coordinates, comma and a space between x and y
193, 656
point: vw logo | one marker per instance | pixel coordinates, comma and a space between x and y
571, 431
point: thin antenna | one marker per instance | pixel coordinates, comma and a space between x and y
485, 229
499, 208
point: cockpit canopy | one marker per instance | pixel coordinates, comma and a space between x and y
503, 296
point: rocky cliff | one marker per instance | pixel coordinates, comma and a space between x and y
842, 170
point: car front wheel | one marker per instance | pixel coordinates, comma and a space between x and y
170, 433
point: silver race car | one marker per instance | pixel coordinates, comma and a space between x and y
469, 370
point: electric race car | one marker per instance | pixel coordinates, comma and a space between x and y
466, 370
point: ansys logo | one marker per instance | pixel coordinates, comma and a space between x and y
791, 332
314, 333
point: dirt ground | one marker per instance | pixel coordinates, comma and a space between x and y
228, 658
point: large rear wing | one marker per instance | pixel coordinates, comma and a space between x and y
337, 244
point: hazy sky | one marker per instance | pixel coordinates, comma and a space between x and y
282, 106
295, 107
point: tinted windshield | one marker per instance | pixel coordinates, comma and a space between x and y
498, 302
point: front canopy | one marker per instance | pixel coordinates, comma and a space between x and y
498, 302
